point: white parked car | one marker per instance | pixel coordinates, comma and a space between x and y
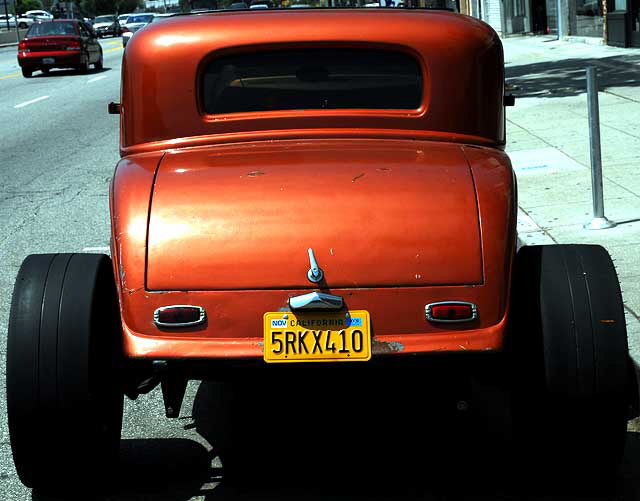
122, 18
134, 23
39, 15
23, 22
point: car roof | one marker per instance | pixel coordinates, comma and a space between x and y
451, 49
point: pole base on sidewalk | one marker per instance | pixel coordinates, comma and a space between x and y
599, 223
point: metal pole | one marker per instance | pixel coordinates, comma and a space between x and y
599, 220
561, 32
16, 18
6, 13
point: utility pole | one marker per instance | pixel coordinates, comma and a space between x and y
561, 30
605, 34
6, 13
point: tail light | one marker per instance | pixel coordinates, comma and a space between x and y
451, 311
22, 47
179, 315
75, 45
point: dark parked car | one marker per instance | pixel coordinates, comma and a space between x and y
107, 26
65, 43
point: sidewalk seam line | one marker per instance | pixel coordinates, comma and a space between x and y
621, 97
633, 313
543, 230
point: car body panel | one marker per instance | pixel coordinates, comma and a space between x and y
459, 102
234, 317
214, 211
403, 208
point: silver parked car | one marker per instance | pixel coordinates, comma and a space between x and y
134, 23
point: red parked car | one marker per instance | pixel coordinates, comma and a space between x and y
313, 190
63, 43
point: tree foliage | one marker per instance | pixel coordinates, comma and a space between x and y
100, 7
124, 6
23, 6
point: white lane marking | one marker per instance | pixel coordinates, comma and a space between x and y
96, 249
27, 103
95, 79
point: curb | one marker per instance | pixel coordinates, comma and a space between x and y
14, 44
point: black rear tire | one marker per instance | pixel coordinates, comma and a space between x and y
100, 63
571, 363
27, 73
64, 400
85, 67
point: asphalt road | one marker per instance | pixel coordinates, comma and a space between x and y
58, 148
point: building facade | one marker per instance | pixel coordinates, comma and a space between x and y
617, 22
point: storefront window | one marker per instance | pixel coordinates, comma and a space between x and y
589, 18
635, 16
620, 5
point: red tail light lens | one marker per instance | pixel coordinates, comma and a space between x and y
22, 47
75, 45
179, 316
451, 311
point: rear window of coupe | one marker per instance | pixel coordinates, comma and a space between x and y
52, 28
147, 18
312, 79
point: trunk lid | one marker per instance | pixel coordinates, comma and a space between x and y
376, 214
50, 43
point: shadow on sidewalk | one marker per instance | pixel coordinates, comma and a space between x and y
568, 77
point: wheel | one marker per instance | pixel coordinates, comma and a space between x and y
26, 73
64, 402
45, 71
571, 364
85, 67
100, 63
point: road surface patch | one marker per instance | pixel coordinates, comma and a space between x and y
27, 103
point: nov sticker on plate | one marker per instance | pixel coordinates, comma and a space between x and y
317, 336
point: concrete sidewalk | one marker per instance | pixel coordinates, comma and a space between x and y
548, 142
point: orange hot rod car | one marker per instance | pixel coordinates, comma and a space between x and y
311, 186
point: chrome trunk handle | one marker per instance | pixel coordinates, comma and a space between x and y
316, 301
315, 274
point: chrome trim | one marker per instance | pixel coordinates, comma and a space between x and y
201, 319
315, 274
474, 312
316, 301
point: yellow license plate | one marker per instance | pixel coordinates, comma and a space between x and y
317, 336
